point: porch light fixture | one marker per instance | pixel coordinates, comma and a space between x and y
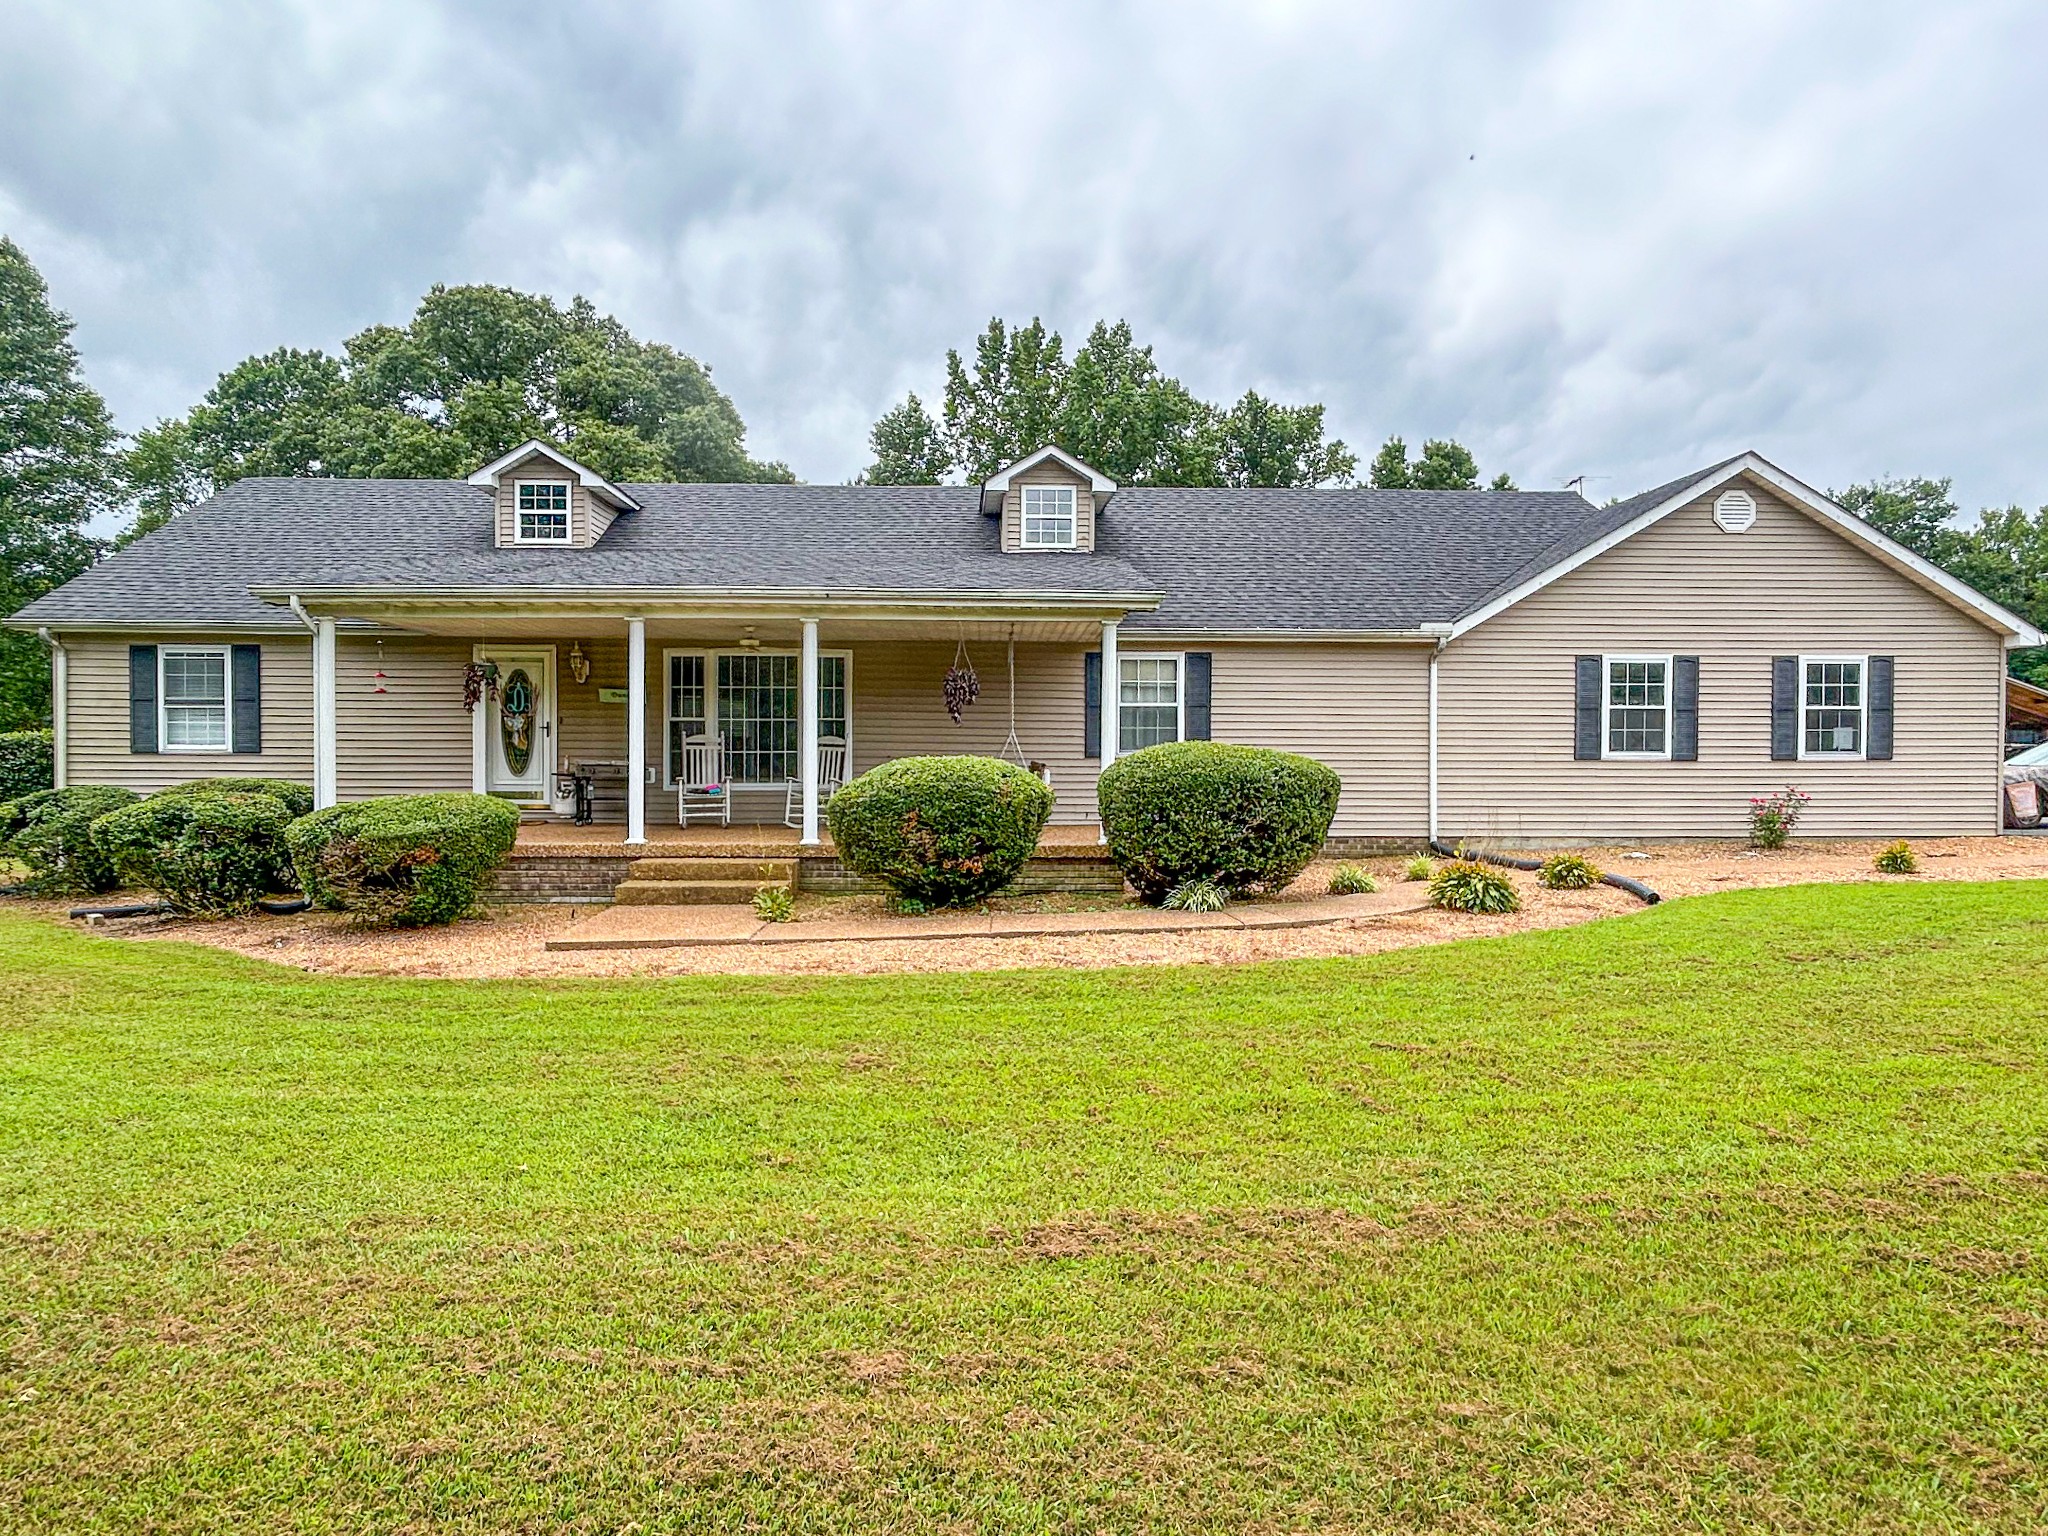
579, 664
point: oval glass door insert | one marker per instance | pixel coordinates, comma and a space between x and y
515, 720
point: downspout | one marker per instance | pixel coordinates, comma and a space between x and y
60, 713
305, 618
1442, 641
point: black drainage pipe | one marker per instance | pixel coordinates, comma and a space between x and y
1635, 888
139, 909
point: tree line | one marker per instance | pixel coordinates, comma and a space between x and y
477, 370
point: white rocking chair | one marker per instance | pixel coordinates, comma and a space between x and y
700, 786
831, 779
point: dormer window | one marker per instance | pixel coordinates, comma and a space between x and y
543, 512
1049, 519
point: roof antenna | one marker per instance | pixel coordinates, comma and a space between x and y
1576, 483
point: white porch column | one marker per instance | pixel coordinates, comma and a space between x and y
807, 729
1112, 715
636, 730
325, 789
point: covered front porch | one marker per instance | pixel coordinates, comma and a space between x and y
789, 703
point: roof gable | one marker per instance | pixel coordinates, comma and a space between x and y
1625, 519
533, 448
1098, 482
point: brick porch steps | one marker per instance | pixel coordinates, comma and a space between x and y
701, 881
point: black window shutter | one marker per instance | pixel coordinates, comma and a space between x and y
1196, 707
141, 698
1586, 738
247, 674
1091, 729
1685, 709
1879, 747
1784, 708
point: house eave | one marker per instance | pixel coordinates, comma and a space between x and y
652, 602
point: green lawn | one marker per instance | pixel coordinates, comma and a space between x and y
1731, 1214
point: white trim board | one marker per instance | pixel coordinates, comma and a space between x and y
1098, 482
2018, 631
585, 476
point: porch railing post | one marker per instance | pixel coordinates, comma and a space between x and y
636, 730
807, 730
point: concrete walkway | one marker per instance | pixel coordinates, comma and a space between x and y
690, 927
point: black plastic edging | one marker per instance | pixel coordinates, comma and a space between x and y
1635, 888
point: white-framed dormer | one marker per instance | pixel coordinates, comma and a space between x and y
548, 500
1048, 502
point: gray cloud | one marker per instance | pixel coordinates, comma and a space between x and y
1586, 238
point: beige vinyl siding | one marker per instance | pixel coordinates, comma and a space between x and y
1789, 586
1050, 473
97, 715
591, 729
412, 739
1363, 710
899, 710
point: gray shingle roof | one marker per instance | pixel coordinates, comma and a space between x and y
1220, 559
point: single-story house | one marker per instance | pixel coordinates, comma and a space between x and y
1522, 667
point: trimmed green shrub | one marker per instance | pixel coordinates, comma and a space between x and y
206, 855
940, 830
50, 831
1898, 859
1249, 818
28, 763
1569, 872
292, 795
1421, 867
405, 860
1198, 895
1352, 880
775, 904
1466, 885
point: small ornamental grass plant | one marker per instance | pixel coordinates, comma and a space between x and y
1772, 818
1421, 867
1466, 885
1197, 895
1352, 880
1569, 872
775, 904
1898, 859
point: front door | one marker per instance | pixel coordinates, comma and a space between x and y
519, 733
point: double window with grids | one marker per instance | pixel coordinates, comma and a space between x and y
750, 696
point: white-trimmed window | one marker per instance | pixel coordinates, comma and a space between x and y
543, 510
1049, 516
1636, 708
1833, 706
1149, 701
751, 697
193, 709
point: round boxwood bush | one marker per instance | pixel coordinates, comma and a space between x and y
206, 855
28, 763
405, 860
50, 832
1249, 818
292, 795
940, 830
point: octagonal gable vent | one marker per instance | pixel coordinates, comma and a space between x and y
1734, 511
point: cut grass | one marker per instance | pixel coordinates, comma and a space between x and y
1728, 1214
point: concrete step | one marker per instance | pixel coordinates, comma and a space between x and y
688, 893
760, 871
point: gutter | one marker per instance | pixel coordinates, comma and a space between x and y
304, 617
800, 596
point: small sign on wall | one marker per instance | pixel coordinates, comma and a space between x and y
611, 695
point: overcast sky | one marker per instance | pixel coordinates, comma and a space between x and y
1612, 239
